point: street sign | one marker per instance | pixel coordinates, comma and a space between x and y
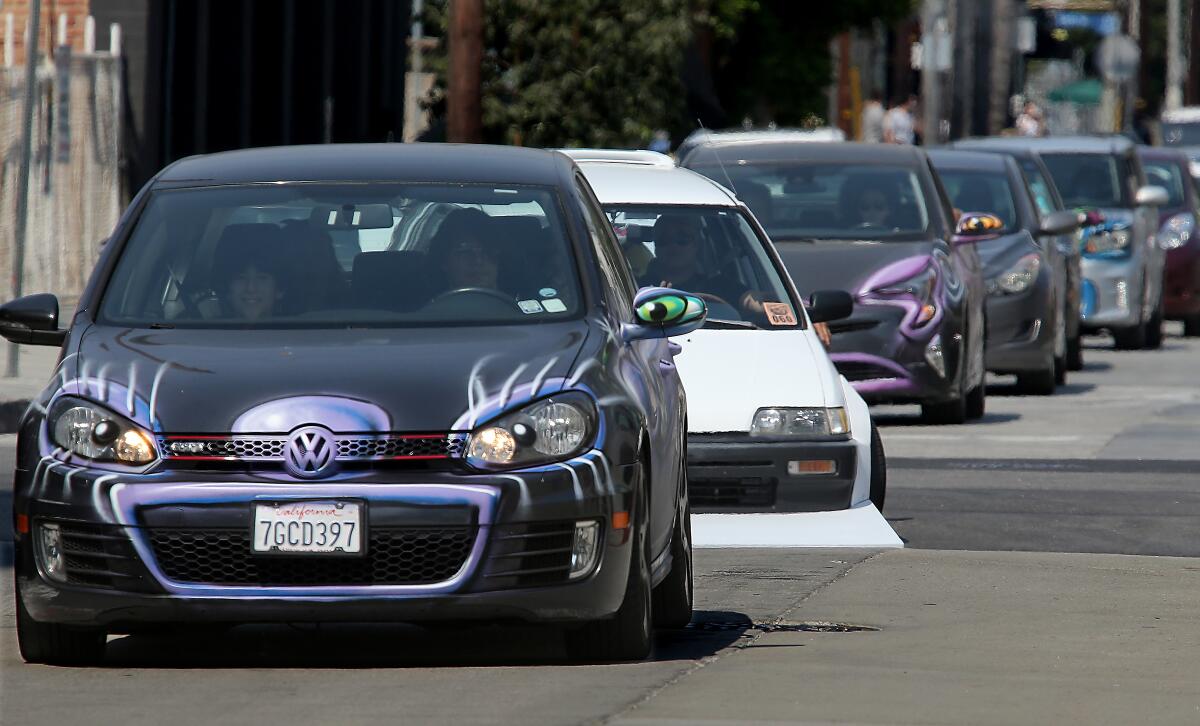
1118, 57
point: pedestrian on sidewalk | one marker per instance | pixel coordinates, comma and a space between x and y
898, 124
872, 119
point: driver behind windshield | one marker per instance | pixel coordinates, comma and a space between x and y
461, 255
868, 205
677, 264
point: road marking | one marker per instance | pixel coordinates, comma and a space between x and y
1014, 438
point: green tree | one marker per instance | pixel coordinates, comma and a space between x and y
578, 72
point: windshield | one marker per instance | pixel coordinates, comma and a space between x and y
341, 255
1039, 185
1086, 180
710, 252
829, 201
975, 191
1166, 174
1181, 134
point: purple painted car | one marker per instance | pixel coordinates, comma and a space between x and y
873, 220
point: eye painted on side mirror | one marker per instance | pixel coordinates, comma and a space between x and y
670, 309
975, 225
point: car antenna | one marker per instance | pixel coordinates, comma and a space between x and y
708, 137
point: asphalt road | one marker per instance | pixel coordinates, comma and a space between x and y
1110, 466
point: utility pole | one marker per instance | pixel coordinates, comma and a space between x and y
21, 222
464, 106
1174, 97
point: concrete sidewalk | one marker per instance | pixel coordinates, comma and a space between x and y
37, 362
967, 638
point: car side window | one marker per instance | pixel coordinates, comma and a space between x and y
947, 207
613, 265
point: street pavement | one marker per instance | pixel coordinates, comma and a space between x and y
1050, 577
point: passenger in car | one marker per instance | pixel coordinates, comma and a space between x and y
253, 284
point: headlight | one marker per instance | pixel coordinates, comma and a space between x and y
1114, 241
1177, 230
548, 430
1017, 278
921, 287
92, 431
800, 422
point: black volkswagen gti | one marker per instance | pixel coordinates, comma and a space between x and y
356, 383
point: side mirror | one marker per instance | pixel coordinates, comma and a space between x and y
662, 313
1060, 222
1151, 196
32, 319
974, 226
828, 305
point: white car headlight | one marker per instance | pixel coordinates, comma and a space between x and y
1177, 230
94, 432
800, 422
545, 431
1019, 277
1116, 240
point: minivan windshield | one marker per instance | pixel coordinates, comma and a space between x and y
1086, 180
710, 252
345, 255
829, 201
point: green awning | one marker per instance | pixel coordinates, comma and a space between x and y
1085, 93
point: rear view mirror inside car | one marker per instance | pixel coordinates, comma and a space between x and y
355, 216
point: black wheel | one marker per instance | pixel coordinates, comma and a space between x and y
1130, 338
672, 601
56, 644
1037, 383
1154, 331
1191, 327
977, 401
1060, 371
949, 412
1075, 353
627, 635
878, 470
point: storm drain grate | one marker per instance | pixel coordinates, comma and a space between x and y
804, 627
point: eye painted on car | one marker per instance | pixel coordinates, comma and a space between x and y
671, 309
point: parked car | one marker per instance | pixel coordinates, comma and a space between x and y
1122, 263
1181, 131
1049, 202
243, 429
1026, 282
874, 220
1168, 169
772, 426
699, 137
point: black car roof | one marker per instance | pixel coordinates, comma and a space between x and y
955, 159
832, 151
371, 162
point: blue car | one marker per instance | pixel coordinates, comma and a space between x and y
356, 383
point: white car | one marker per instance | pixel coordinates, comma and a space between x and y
772, 426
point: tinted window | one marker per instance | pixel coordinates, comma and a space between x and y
1166, 175
1039, 186
1086, 180
345, 254
713, 253
836, 201
972, 191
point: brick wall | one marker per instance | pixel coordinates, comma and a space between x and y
75, 10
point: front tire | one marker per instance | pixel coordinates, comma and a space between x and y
950, 412
977, 401
55, 644
878, 470
1038, 383
1191, 327
673, 598
628, 634
1075, 353
1154, 331
1130, 338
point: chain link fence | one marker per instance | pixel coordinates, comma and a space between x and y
75, 194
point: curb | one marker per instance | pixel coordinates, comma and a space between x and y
10, 415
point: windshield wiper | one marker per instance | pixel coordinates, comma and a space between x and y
162, 326
730, 324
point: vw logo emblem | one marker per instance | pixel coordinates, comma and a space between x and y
310, 453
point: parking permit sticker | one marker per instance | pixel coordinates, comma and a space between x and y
547, 292
779, 313
530, 306
554, 305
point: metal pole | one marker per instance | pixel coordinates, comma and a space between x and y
1174, 55
18, 269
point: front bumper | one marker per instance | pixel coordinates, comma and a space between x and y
734, 473
510, 531
1112, 291
1021, 329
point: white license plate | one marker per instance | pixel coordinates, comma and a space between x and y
325, 527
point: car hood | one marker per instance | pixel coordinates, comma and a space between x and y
1000, 254
846, 264
730, 374
271, 381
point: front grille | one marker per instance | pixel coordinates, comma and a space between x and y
394, 556
731, 492
529, 555
350, 447
98, 556
859, 371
